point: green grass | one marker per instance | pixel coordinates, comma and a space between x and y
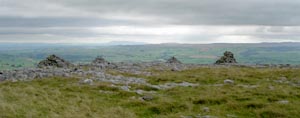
64, 97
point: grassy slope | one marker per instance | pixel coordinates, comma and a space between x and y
61, 97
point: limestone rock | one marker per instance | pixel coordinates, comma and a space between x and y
87, 81
125, 88
283, 102
205, 109
140, 92
227, 58
228, 81
54, 61
147, 97
186, 117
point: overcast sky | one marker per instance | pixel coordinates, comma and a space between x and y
151, 21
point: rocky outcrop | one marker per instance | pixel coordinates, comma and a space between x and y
54, 61
34, 73
173, 60
228, 58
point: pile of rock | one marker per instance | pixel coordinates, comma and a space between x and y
54, 61
173, 60
228, 58
101, 63
100, 60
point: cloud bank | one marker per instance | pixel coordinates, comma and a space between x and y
152, 21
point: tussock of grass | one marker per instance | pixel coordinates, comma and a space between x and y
65, 97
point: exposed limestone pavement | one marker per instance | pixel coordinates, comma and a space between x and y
54, 66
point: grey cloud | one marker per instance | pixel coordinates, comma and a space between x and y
69, 19
58, 22
201, 12
60, 31
182, 12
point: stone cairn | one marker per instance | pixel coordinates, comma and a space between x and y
52, 66
100, 60
54, 61
101, 63
228, 58
174, 63
173, 60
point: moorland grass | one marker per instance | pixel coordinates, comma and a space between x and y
255, 93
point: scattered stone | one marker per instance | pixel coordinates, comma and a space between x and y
147, 98
271, 87
198, 116
172, 85
121, 79
186, 116
87, 81
125, 88
248, 86
205, 109
140, 92
228, 58
228, 81
231, 116
106, 92
283, 102
187, 84
133, 97
283, 78
54, 61
217, 85
175, 69
207, 116
173, 60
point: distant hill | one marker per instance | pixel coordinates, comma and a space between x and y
28, 55
124, 43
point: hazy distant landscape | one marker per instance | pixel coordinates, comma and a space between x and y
14, 56
149, 59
